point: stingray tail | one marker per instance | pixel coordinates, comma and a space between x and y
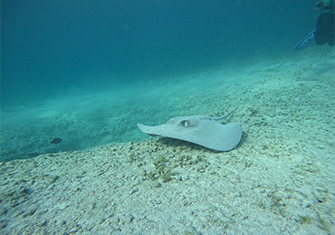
224, 116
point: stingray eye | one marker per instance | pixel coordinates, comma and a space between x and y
185, 123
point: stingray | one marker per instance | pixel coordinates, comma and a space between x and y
201, 130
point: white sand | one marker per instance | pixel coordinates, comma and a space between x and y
280, 178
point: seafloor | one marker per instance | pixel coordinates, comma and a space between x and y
279, 179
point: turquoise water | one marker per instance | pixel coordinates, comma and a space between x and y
87, 71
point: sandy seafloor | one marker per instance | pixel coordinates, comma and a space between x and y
279, 179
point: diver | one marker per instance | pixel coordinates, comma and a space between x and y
324, 31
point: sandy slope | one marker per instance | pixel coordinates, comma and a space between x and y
280, 179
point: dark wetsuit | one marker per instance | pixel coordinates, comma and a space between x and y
325, 29
325, 25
